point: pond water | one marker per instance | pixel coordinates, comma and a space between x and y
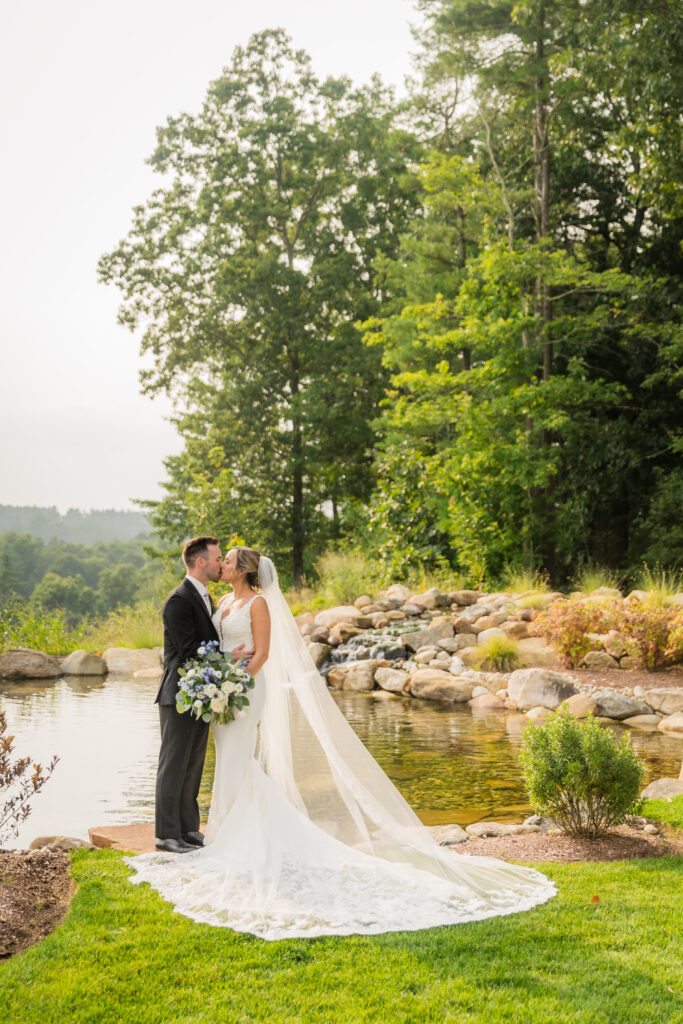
451, 763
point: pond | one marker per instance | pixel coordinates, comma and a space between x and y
451, 763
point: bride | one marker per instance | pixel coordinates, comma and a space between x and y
306, 834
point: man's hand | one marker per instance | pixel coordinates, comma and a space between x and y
239, 653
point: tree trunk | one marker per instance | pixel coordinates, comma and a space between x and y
297, 529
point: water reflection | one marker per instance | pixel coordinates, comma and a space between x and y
450, 764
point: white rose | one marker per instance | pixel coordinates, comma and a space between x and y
211, 690
201, 650
228, 687
217, 704
198, 703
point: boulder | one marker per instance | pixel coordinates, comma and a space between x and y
629, 663
516, 629
490, 621
410, 609
618, 706
432, 598
470, 656
529, 687
127, 660
61, 843
23, 663
393, 680
663, 789
319, 635
665, 700
672, 724
456, 643
389, 650
463, 598
358, 675
600, 661
535, 651
614, 644
398, 592
362, 602
343, 631
581, 704
493, 633
428, 637
149, 673
83, 663
341, 613
448, 835
456, 665
487, 702
606, 592
434, 684
648, 723
538, 715
675, 599
496, 829
427, 654
320, 653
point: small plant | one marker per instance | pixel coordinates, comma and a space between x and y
566, 623
518, 580
652, 632
660, 583
499, 654
580, 775
593, 577
344, 576
15, 777
24, 626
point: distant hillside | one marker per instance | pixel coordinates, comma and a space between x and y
74, 527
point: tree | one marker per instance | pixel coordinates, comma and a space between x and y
248, 270
68, 593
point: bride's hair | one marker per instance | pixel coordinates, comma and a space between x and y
248, 559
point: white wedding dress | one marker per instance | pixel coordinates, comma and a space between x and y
306, 834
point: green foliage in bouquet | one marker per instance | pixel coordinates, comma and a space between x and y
578, 773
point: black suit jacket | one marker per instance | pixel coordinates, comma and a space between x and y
186, 624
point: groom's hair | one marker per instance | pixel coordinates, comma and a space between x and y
197, 548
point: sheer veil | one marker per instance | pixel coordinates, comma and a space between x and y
314, 758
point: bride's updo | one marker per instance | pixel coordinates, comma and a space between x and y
247, 560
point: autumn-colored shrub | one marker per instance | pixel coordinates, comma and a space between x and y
651, 632
566, 623
19, 781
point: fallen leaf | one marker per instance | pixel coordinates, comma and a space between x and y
595, 899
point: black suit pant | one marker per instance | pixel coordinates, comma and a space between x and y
181, 760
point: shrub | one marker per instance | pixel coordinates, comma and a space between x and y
592, 577
652, 632
519, 580
499, 654
565, 624
140, 626
19, 784
24, 626
578, 773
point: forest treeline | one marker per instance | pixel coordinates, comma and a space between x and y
74, 526
444, 331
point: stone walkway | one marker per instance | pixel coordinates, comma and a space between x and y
131, 838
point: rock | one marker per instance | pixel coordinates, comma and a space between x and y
639, 595
393, 679
23, 663
395, 615
666, 701
496, 829
320, 653
478, 690
319, 635
427, 637
127, 660
456, 643
529, 687
538, 715
343, 631
615, 705
630, 664
672, 724
463, 598
606, 592
398, 592
305, 619
650, 829
599, 661
614, 644
433, 684
379, 620
364, 621
410, 609
502, 693
83, 663
663, 789
675, 599
493, 633
581, 704
431, 599
427, 654
490, 621
535, 651
61, 843
308, 628
359, 675
149, 673
342, 613
470, 656
515, 629
542, 823
487, 702
448, 835
649, 723
456, 665
362, 602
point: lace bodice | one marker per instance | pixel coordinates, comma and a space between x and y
233, 627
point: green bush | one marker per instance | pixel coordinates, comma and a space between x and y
578, 773
24, 626
499, 654
140, 626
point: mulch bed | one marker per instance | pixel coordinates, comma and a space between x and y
35, 892
619, 679
623, 843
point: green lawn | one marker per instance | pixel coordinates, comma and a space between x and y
670, 811
122, 955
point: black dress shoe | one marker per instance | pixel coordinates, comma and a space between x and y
173, 845
193, 838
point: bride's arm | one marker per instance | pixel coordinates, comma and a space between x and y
260, 627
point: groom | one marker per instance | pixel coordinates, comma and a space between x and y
187, 622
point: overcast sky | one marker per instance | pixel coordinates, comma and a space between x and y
83, 86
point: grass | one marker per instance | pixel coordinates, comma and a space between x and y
593, 577
670, 811
136, 626
660, 583
499, 655
517, 580
21, 625
123, 955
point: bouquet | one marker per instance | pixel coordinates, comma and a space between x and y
213, 686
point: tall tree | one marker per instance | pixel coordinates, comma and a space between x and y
246, 273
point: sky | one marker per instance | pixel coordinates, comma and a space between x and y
83, 87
